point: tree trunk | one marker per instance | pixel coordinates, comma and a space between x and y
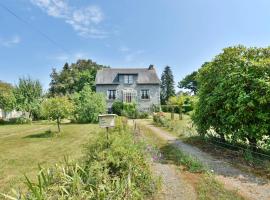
172, 113
253, 143
58, 125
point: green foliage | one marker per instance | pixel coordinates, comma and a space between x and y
234, 95
190, 82
88, 105
117, 107
7, 98
167, 85
120, 171
72, 78
57, 108
130, 110
28, 94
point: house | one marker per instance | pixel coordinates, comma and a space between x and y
139, 85
10, 115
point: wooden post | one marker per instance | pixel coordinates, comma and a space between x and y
180, 113
107, 131
172, 112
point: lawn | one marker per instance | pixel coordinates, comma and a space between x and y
23, 147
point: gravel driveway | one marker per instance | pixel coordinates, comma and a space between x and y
247, 184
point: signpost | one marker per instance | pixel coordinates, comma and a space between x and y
107, 121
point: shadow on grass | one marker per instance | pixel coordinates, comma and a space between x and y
46, 134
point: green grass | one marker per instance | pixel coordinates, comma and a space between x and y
180, 128
23, 147
210, 189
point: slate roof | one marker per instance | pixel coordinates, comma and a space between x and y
110, 75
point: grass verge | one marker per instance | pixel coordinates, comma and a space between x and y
205, 184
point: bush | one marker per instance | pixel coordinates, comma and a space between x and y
19, 120
130, 110
160, 119
117, 107
119, 171
88, 105
234, 95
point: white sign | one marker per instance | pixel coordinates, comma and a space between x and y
107, 120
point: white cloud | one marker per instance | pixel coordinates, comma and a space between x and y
84, 21
8, 42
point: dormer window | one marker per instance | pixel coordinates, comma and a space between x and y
128, 79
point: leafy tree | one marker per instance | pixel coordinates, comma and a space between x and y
167, 85
7, 98
88, 105
28, 94
190, 82
72, 78
234, 95
57, 108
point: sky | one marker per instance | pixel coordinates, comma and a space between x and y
37, 35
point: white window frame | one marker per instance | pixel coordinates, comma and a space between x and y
128, 79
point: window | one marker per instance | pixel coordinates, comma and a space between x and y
128, 79
145, 94
129, 96
111, 94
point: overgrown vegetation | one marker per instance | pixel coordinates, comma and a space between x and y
117, 171
234, 96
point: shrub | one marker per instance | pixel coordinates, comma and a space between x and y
117, 107
130, 110
88, 105
234, 95
19, 120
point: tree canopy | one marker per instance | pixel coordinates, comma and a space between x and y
167, 85
72, 78
234, 94
88, 105
7, 98
28, 94
57, 108
189, 82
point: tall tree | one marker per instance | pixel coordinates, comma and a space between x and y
72, 78
189, 82
28, 94
167, 85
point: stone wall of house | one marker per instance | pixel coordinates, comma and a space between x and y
143, 105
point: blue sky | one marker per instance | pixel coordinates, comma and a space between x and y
124, 33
